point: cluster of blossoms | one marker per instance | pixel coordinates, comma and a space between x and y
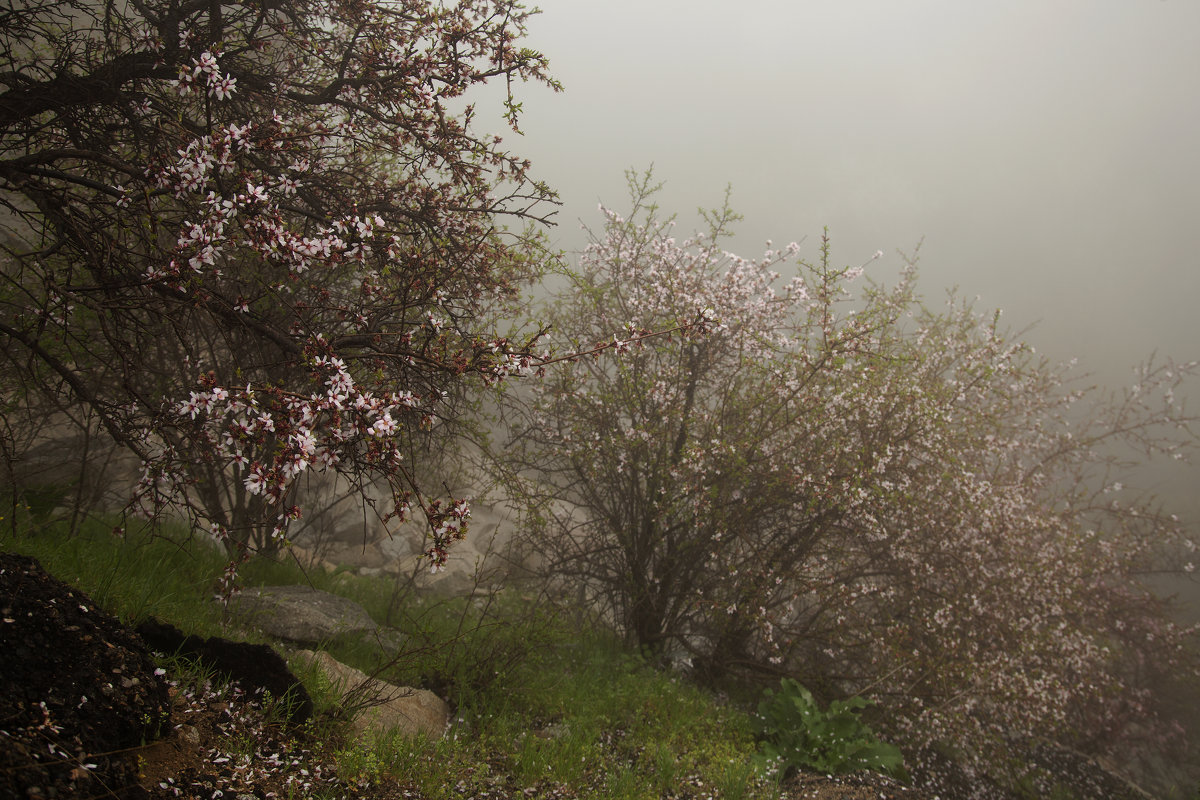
203, 75
301, 431
891, 500
280, 251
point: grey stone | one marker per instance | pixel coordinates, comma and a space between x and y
357, 555
379, 707
308, 558
458, 578
300, 613
399, 545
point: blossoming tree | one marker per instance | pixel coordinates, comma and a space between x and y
869, 495
262, 238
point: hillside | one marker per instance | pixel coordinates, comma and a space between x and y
542, 708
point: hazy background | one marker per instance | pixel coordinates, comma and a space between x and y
1046, 152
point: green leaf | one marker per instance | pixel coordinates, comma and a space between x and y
795, 732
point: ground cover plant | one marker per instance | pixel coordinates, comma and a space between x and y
797, 732
841, 483
579, 716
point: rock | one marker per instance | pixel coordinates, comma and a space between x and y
456, 579
307, 558
341, 538
466, 572
379, 707
300, 614
254, 666
189, 735
77, 688
335, 557
398, 546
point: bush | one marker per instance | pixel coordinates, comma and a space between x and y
900, 502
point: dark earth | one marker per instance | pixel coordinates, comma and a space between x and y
78, 691
86, 713
252, 666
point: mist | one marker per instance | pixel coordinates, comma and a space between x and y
1042, 154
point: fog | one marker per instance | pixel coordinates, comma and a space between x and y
1046, 153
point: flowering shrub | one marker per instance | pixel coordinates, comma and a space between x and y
902, 503
260, 239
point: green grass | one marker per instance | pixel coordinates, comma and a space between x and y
540, 707
132, 576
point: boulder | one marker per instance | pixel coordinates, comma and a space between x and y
377, 706
300, 614
458, 578
471, 567
307, 558
399, 546
78, 691
357, 554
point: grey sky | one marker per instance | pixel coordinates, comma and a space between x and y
1048, 152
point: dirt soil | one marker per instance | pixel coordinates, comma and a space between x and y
78, 691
